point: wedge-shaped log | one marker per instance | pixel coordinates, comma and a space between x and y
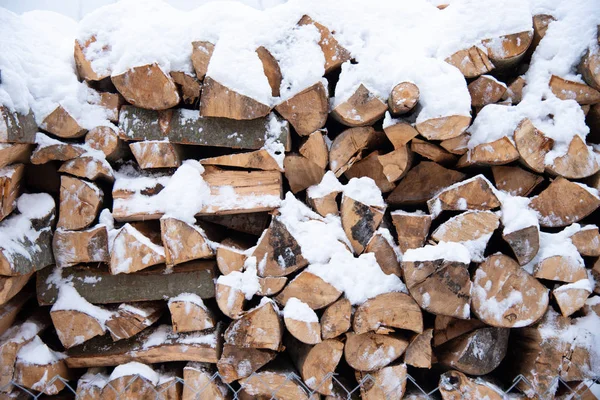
315, 148
156, 154
133, 251
515, 180
16, 127
259, 328
112, 103
49, 149
498, 152
371, 167
362, 108
455, 385
199, 383
306, 111
74, 247
90, 385
396, 163
231, 256
540, 26
419, 352
525, 243
84, 67
277, 380
89, 168
41, 375
347, 148
360, 221
589, 67
565, 89
14, 153
10, 188
106, 139
385, 252
301, 321
485, 90
472, 194
571, 298
403, 98
432, 152
271, 69
411, 229
508, 50
458, 145
387, 383
388, 310
301, 172
471, 62
189, 86
230, 300
129, 319
131, 381
400, 133
80, 203
324, 205
218, 100
282, 251
559, 268
259, 159
60, 123
335, 54
443, 128
587, 241
234, 356
336, 319
532, 145
10, 286
514, 90
579, 161
183, 241
448, 328
371, 351
147, 86
201, 54
10, 310
271, 285
74, 327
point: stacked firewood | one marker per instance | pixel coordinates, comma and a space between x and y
401, 249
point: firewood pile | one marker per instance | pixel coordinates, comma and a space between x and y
324, 220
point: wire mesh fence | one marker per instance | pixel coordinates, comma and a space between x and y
291, 386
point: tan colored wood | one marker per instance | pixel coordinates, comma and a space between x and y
129, 319
187, 316
471, 62
387, 383
525, 243
579, 162
508, 50
448, 328
129, 387
83, 65
147, 86
60, 123
282, 251
315, 148
360, 221
230, 300
455, 385
301, 172
587, 241
371, 351
514, 90
168, 387
14, 153
570, 299
473, 194
266, 383
419, 352
324, 205
388, 310
201, 54
563, 203
432, 152
75, 327
307, 110
565, 89
559, 268
42, 378
335, 54
56, 152
11, 285
271, 69
86, 246
411, 229
305, 332
16, 127
515, 180
362, 108
199, 383
230, 255
112, 103
90, 385
458, 145
10, 188
190, 86
589, 67
336, 319
403, 98
233, 356
183, 242
371, 167
88, 167
400, 134
271, 285
260, 328
156, 154
498, 152
10, 309
106, 139
310, 289
80, 203
396, 163
540, 26
259, 159
385, 254
347, 148
132, 251
217, 100
443, 128
485, 90
466, 227
316, 364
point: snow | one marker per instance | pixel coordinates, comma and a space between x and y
164, 334
582, 284
247, 282
447, 251
123, 254
188, 298
364, 190
21, 333
329, 184
516, 213
69, 299
557, 244
135, 368
385, 233
298, 310
272, 143
37, 353
94, 377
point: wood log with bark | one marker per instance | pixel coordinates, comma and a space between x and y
147, 86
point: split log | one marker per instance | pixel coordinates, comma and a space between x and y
472, 194
147, 86
315, 148
324, 205
10, 309
422, 182
589, 67
485, 90
455, 386
233, 357
400, 133
131, 381
14, 153
271, 69
230, 255
419, 353
10, 286
458, 145
129, 319
156, 154
188, 313
43, 375
571, 298
508, 50
385, 253
505, 296
83, 65
396, 163
106, 139
475, 353
525, 243
112, 103
88, 167
16, 127
336, 319
74, 327
282, 251
443, 128
259, 159
199, 383
99, 286
275, 383
60, 123
90, 385
580, 161
201, 54
563, 203
403, 98
587, 241
514, 91
301, 172
371, 167
471, 62
190, 86
515, 181
540, 26
447, 328
371, 351
335, 54
316, 364
386, 383
301, 321
259, 328
362, 108
565, 89
388, 310
307, 110
153, 345
310, 289
133, 251
360, 221
271, 285
217, 100
230, 300
498, 152
559, 268
74, 247
347, 148
169, 387
10, 188
432, 152
532, 145
54, 150
411, 229
80, 203
183, 241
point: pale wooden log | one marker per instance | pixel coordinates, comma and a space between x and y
579, 161
571, 298
362, 108
10, 309
271, 69
411, 229
432, 152
388, 310
278, 243
233, 356
132, 251
559, 268
324, 205
514, 91
387, 383
230, 255
231, 300
278, 383
563, 203
419, 352
259, 159
169, 387
589, 67
472, 194
485, 90
190, 86
271, 285
371, 351
455, 385
396, 163
10, 188
447, 328
315, 148
259, 328
371, 167
400, 133
525, 243
443, 128
303, 331
129, 319
498, 152
130, 385
336, 319
587, 241
90, 385
471, 62
360, 221
83, 65
106, 139
16, 127
88, 167
307, 110
112, 103
565, 89
458, 145
423, 182
201, 54
192, 346
183, 241
385, 254
508, 50
75, 327
335, 54
10, 286
540, 26
14, 153
515, 180
199, 383
60, 123
190, 316
217, 100
42, 377
476, 353
498, 279
301, 172
532, 145
403, 98
310, 289
56, 151
347, 148
86, 246
80, 203
147, 86
439, 287
156, 154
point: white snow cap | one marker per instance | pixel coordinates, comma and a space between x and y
448, 251
132, 369
69, 299
298, 310
37, 353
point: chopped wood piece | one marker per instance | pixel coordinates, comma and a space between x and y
83, 65
10, 188
388, 310
86, 246
443, 128
112, 103
259, 159
182, 241
74, 327
316, 364
432, 152
448, 328
559, 268
106, 139
43, 376
153, 345
422, 182
348, 146
310, 289
271, 69
498, 152
371, 167
315, 148
10, 286
411, 229
230, 300
571, 298
362, 108
336, 319
514, 91
301, 172
188, 315
147, 86
371, 351
56, 151
563, 203
230, 255
10, 309
565, 89
129, 386
90, 385
218, 100
89, 168
335, 54
14, 153
400, 133
458, 145
471, 62
473, 194
525, 243
304, 331
271, 285
282, 252
540, 26
60, 123
189, 85
268, 383
16, 127
360, 221
387, 383
307, 110
587, 241
324, 205
532, 145
589, 67
201, 54
419, 353
507, 50
99, 286
385, 254
234, 356
403, 98
199, 383
514, 180
156, 154
130, 319
475, 353
456, 386
485, 90
396, 163
440, 287
506, 296
579, 161
80, 203
133, 251
259, 328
